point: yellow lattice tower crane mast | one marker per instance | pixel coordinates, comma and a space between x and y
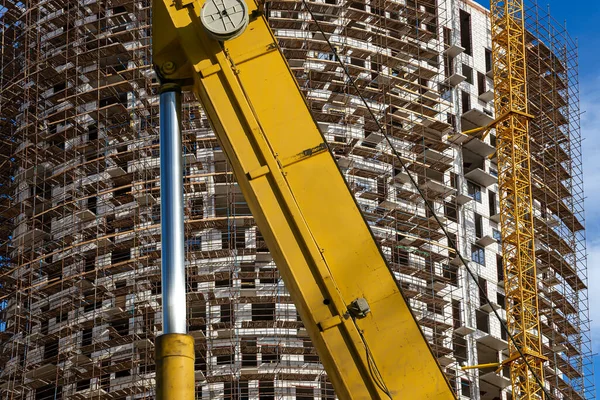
516, 203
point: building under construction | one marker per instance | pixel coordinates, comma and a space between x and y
80, 291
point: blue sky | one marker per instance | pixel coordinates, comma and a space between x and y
583, 20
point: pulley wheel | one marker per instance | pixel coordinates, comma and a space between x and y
224, 19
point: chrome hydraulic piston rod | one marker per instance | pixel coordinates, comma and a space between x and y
171, 211
174, 348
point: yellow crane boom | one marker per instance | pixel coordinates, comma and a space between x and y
351, 305
516, 202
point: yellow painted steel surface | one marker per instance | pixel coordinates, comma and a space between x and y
303, 207
175, 367
516, 206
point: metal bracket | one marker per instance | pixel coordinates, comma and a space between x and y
330, 323
184, 3
486, 129
320, 148
257, 173
508, 361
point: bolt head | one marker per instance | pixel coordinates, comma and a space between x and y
168, 67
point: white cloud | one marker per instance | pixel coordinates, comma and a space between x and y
590, 124
593, 292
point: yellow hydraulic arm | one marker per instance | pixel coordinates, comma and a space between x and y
367, 338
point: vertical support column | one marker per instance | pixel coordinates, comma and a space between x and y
174, 348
